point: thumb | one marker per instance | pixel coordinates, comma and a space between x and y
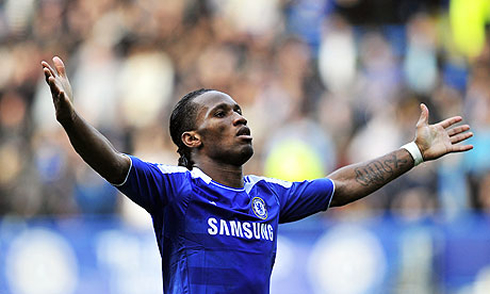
424, 115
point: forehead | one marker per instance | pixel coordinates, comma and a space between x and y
211, 99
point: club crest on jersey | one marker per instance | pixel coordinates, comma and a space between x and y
258, 207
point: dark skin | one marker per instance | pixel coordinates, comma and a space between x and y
356, 181
88, 142
222, 143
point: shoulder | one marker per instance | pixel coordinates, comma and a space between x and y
137, 162
145, 169
171, 169
251, 180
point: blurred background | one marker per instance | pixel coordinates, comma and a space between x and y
323, 83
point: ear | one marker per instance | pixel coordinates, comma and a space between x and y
191, 139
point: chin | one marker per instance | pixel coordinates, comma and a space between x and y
247, 153
243, 156
233, 156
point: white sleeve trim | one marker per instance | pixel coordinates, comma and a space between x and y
331, 194
127, 175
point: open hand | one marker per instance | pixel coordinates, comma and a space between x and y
439, 139
60, 88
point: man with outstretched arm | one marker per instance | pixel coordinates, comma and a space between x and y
216, 229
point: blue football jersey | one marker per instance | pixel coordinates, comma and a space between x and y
214, 238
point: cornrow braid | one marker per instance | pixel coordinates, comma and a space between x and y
185, 158
183, 119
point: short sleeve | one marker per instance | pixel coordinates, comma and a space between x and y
152, 186
302, 199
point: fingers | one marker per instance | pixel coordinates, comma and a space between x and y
461, 148
51, 75
50, 79
461, 137
47, 73
424, 118
457, 135
450, 121
55, 90
46, 65
59, 65
424, 115
457, 130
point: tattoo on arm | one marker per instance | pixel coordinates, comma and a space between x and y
380, 171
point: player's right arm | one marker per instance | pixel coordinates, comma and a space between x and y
89, 143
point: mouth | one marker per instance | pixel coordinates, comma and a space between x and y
244, 133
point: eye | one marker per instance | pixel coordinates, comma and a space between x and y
219, 114
239, 111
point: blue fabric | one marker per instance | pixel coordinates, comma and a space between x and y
214, 238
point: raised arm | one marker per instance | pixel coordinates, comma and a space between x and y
356, 181
89, 143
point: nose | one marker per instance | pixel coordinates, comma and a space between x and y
239, 120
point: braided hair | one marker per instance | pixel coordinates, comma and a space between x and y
183, 119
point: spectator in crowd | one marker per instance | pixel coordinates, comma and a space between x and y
254, 59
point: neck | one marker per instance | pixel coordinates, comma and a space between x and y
225, 174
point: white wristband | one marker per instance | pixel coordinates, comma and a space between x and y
414, 151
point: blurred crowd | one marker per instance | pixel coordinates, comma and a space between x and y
322, 83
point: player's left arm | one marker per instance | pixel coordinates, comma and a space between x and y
356, 181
